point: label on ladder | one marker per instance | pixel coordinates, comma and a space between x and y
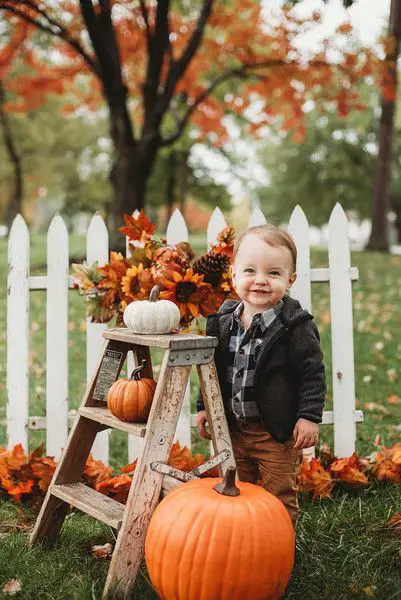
108, 373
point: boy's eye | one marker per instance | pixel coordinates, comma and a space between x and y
274, 273
249, 270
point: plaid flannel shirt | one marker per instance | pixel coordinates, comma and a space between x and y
242, 355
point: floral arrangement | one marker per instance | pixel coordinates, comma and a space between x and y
198, 286
26, 477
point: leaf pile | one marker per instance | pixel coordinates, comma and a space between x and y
26, 477
318, 477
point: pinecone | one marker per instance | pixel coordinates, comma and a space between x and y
226, 235
212, 266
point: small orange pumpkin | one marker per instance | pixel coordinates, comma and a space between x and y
220, 542
130, 399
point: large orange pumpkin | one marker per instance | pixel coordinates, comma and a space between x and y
130, 399
205, 543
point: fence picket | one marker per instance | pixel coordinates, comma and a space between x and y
341, 334
97, 249
256, 218
339, 275
176, 232
57, 337
18, 334
298, 227
216, 223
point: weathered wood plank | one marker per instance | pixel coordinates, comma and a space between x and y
211, 394
68, 470
91, 502
104, 416
146, 487
179, 341
135, 443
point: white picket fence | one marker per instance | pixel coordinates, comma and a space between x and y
57, 283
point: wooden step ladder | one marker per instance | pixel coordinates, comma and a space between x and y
151, 473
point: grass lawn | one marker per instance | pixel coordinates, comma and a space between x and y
343, 551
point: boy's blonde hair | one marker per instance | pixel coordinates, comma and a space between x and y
272, 235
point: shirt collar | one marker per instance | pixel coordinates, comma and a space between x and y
264, 319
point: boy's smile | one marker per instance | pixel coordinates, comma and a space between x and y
261, 274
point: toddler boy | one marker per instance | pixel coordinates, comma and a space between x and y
269, 363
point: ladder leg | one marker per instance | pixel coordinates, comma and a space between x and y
69, 470
216, 415
146, 486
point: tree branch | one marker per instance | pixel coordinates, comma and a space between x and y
60, 32
159, 42
240, 72
195, 40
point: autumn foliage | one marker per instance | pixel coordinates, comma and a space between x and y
26, 477
233, 43
197, 285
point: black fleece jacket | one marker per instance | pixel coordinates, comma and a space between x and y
289, 380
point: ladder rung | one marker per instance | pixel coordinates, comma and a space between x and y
104, 416
91, 502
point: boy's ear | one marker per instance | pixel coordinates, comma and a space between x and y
291, 280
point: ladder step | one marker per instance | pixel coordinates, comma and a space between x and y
91, 502
104, 416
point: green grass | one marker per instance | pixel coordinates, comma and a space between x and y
341, 545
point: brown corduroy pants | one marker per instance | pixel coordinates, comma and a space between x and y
259, 456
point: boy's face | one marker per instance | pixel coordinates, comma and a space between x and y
261, 274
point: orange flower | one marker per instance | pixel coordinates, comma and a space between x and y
113, 272
182, 290
137, 228
131, 283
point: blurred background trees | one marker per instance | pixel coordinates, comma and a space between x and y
104, 106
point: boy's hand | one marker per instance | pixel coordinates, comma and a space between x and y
201, 420
306, 434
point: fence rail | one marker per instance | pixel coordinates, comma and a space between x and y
339, 275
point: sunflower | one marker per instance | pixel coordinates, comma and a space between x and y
136, 283
182, 290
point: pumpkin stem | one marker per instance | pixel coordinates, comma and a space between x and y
227, 487
136, 372
154, 295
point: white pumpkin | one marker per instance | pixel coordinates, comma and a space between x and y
153, 315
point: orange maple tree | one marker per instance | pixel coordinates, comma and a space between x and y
158, 66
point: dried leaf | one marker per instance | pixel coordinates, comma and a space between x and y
369, 590
349, 471
394, 524
97, 471
313, 478
12, 587
104, 551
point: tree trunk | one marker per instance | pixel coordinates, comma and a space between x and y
15, 202
379, 238
129, 176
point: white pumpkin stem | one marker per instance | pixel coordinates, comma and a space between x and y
227, 487
154, 295
136, 372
